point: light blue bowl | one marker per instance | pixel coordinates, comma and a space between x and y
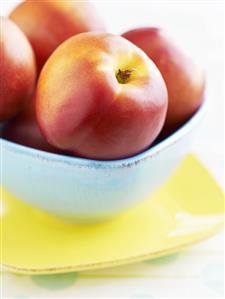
84, 191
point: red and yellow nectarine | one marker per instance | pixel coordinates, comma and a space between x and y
17, 70
184, 80
48, 23
100, 97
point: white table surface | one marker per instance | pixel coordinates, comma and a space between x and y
198, 271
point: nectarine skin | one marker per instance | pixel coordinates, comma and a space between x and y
83, 108
48, 23
17, 70
184, 80
24, 130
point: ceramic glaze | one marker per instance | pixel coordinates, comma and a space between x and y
82, 190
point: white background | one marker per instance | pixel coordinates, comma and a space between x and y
198, 26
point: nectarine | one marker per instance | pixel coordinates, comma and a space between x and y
23, 129
48, 23
183, 78
17, 70
100, 97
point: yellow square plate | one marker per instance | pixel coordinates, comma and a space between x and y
187, 209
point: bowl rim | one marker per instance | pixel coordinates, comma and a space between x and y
122, 163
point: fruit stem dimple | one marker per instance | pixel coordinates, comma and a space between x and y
124, 76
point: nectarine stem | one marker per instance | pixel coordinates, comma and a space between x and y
124, 76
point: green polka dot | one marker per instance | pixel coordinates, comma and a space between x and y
213, 277
163, 259
55, 282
